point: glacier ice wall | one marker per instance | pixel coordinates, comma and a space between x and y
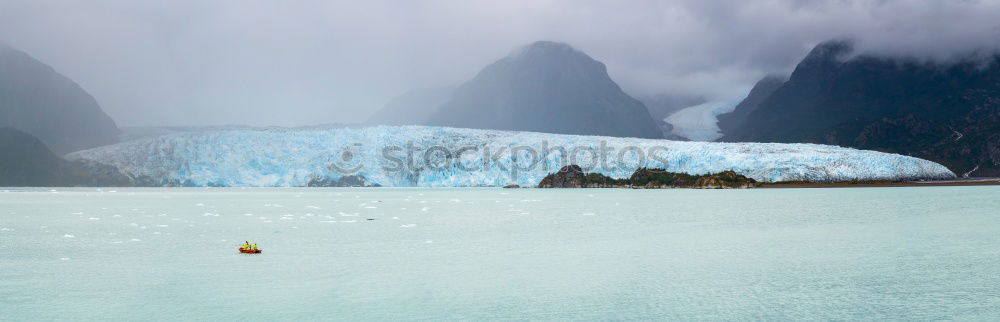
438, 156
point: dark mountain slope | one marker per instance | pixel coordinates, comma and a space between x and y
731, 121
547, 87
38, 100
26, 162
949, 114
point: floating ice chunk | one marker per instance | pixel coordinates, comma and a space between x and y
69, 236
248, 215
94, 218
425, 209
64, 258
408, 226
135, 240
76, 213
313, 207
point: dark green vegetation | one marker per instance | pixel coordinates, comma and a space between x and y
946, 113
26, 161
572, 176
38, 100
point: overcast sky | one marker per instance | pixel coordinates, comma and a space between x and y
205, 62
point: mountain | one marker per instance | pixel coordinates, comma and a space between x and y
412, 108
26, 161
945, 112
547, 87
454, 157
40, 101
661, 106
731, 121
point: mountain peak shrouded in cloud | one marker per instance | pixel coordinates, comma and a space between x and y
546, 87
36, 99
944, 111
545, 48
306, 62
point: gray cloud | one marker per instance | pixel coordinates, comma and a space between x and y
307, 62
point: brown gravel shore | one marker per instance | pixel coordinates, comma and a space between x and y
929, 183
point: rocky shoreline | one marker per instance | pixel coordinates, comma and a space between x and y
572, 176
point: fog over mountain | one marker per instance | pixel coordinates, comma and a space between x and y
38, 100
547, 87
190, 62
947, 113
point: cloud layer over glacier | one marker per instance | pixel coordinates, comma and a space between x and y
437, 156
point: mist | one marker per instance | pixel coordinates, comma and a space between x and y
309, 62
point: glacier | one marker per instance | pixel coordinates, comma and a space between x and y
700, 122
455, 157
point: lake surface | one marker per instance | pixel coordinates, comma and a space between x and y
444, 254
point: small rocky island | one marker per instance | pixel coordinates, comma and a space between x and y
572, 176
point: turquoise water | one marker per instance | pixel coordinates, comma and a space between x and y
444, 254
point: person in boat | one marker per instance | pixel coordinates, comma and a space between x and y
255, 246
246, 245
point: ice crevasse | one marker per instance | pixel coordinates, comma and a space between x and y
443, 157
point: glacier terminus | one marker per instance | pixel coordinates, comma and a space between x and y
455, 157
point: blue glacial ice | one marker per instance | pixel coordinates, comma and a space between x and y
443, 157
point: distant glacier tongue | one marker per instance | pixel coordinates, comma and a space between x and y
449, 157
